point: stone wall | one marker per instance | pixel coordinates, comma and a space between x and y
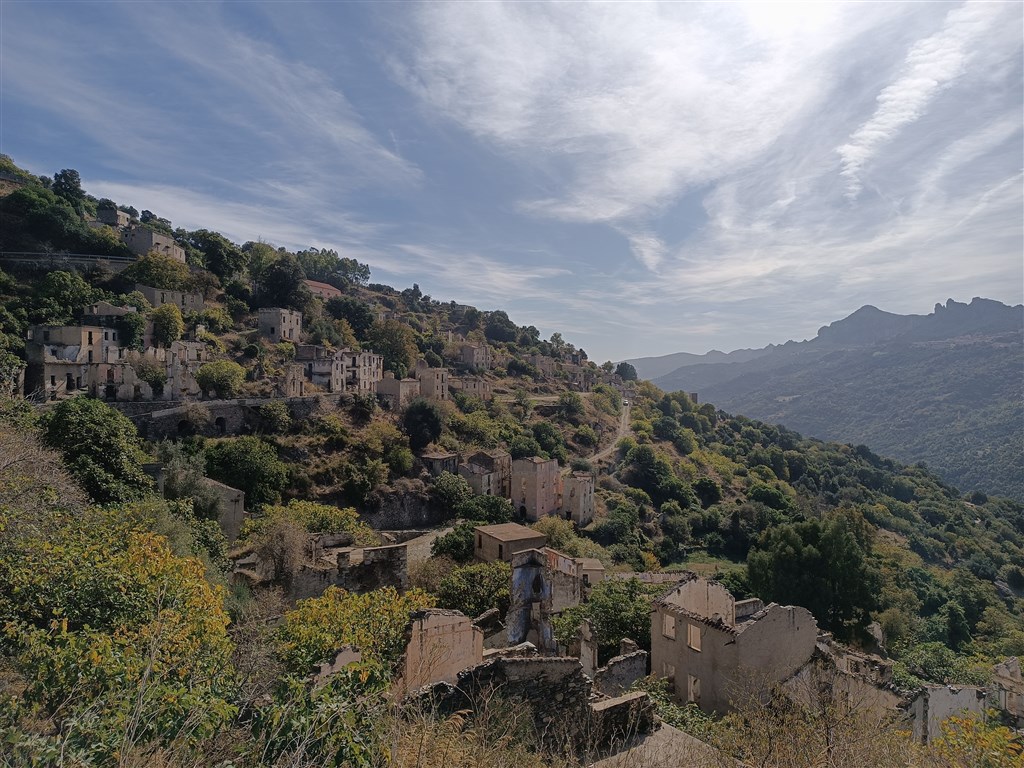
619, 674
552, 690
619, 720
409, 507
357, 570
212, 418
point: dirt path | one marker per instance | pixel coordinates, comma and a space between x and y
606, 453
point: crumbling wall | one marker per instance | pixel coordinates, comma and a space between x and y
440, 644
618, 675
556, 695
357, 570
529, 614
941, 702
617, 721
552, 690
409, 507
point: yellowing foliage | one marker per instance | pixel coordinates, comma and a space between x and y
374, 622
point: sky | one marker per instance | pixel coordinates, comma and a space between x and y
642, 178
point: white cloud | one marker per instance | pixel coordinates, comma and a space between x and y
931, 66
635, 101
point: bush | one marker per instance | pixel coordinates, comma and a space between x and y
224, 377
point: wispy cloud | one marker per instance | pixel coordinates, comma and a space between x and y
646, 176
931, 66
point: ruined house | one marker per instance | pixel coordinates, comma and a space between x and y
473, 386
278, 324
545, 582
322, 291
183, 300
578, 498
536, 487
61, 360
433, 381
364, 370
141, 240
436, 462
322, 367
397, 392
440, 644
113, 217
475, 355
707, 643
503, 540
489, 473
232, 508
105, 314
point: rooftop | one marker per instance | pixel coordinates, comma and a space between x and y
509, 532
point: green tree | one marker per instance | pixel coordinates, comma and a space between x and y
119, 641
168, 324
626, 371
474, 589
357, 313
158, 271
60, 296
422, 422
396, 342
282, 285
224, 377
451, 491
132, 328
67, 185
457, 544
373, 622
616, 609
249, 464
100, 447
822, 565
570, 407
220, 255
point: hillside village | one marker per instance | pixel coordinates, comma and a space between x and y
391, 504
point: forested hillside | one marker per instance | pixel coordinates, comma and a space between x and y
944, 389
130, 639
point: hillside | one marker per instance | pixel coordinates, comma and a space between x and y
150, 620
944, 388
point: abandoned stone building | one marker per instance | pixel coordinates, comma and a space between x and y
322, 291
473, 386
433, 381
488, 472
364, 370
105, 314
186, 302
439, 645
113, 217
578, 498
503, 540
545, 582
477, 356
141, 240
708, 644
323, 367
61, 360
398, 393
536, 487
278, 324
436, 462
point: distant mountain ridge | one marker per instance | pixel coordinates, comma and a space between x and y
945, 388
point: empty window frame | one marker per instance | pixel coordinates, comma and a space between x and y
693, 636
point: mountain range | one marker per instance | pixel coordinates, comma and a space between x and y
945, 388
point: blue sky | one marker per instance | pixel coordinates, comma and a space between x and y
642, 178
